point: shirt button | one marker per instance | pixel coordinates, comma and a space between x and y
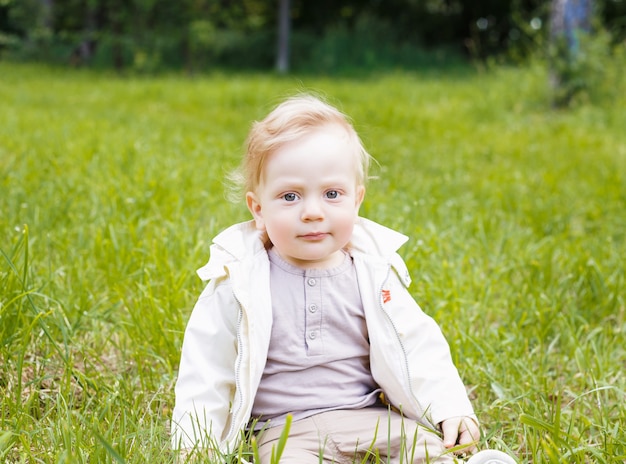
313, 308
311, 282
313, 335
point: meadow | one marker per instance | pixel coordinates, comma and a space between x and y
111, 188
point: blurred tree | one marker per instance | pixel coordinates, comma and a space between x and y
284, 26
614, 17
570, 26
568, 19
47, 7
195, 34
26, 23
87, 46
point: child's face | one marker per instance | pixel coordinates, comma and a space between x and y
308, 199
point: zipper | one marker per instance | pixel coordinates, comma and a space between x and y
238, 390
395, 330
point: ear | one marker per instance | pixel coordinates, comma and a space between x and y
254, 205
360, 195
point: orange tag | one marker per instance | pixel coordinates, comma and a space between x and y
386, 296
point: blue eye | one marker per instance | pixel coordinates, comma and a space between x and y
332, 194
289, 197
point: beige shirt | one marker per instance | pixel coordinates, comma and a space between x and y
318, 357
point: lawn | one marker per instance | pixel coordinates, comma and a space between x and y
112, 187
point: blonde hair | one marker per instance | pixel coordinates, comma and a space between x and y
291, 120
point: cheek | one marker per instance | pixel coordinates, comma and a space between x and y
277, 224
346, 222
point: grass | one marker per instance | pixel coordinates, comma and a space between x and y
111, 188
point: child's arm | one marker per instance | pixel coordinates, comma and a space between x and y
437, 392
463, 431
206, 378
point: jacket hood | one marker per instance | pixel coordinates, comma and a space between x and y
243, 240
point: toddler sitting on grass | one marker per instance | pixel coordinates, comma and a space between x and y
306, 325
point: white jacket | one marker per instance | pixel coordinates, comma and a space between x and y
226, 341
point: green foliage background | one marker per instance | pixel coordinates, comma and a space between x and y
329, 36
111, 188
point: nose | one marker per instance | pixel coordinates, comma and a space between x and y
312, 210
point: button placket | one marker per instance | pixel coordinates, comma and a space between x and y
313, 315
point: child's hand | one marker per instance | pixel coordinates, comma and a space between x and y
461, 431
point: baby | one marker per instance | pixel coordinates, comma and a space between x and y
307, 319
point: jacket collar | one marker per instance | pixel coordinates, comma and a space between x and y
372, 238
243, 240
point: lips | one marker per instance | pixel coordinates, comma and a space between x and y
314, 236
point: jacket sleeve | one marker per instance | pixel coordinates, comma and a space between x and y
206, 377
422, 372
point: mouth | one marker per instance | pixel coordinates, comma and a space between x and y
314, 236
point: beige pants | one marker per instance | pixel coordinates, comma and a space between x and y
349, 436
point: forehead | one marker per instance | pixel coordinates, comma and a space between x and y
327, 152
314, 146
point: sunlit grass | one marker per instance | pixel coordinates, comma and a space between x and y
111, 188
